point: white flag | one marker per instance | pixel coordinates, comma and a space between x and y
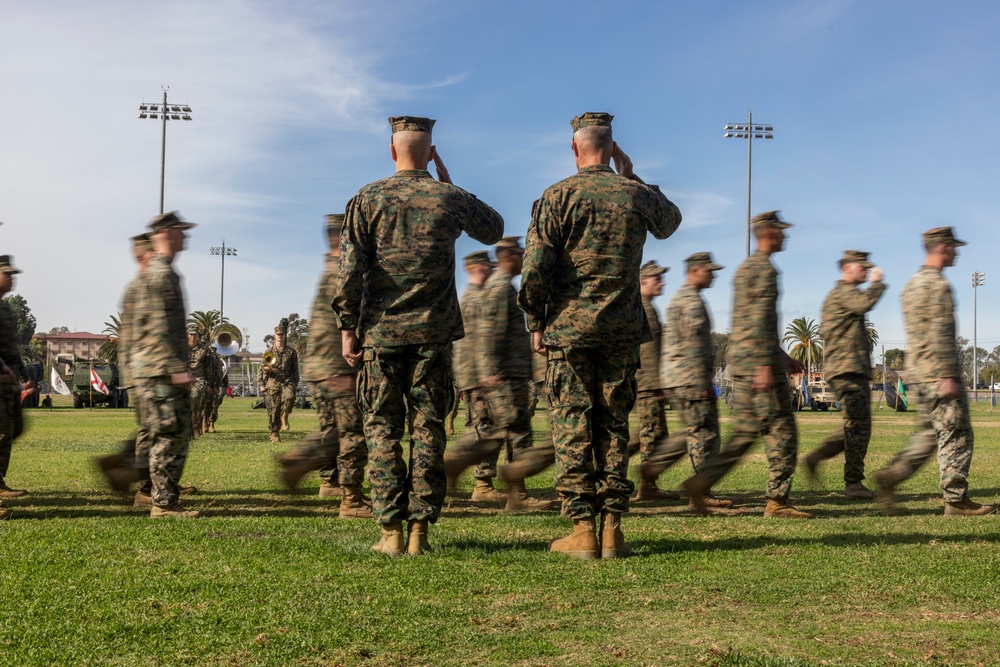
58, 385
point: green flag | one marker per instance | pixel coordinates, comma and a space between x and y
901, 392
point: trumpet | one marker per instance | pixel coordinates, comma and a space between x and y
269, 358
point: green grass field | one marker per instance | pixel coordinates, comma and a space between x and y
265, 578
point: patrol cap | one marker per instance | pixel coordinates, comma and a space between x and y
856, 257
172, 220
703, 259
194, 329
478, 257
769, 220
411, 124
282, 327
651, 269
939, 235
509, 244
141, 240
334, 223
591, 119
7, 264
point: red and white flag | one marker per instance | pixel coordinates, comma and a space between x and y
97, 383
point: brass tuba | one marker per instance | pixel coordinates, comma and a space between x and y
227, 339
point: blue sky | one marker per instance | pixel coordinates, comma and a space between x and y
883, 115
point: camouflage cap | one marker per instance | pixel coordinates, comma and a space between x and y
334, 223
411, 124
940, 235
509, 243
171, 220
856, 257
193, 329
141, 240
651, 269
478, 257
282, 327
703, 259
7, 264
591, 119
769, 219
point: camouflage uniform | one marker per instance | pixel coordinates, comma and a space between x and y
279, 381
397, 290
158, 322
10, 390
468, 380
754, 342
580, 286
338, 448
220, 378
199, 363
931, 354
651, 402
848, 370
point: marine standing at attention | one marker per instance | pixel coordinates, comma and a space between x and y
398, 314
580, 291
278, 380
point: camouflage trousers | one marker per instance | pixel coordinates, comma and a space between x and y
650, 407
406, 385
759, 413
279, 398
479, 425
699, 437
166, 417
198, 400
337, 449
217, 394
944, 426
854, 434
537, 392
10, 422
508, 427
591, 392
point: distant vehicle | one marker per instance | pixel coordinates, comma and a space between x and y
84, 395
821, 397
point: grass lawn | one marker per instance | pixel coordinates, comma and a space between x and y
265, 578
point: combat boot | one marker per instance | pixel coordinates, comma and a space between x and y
648, 490
811, 462
284, 423
518, 500
275, 437
292, 469
172, 512
966, 507
142, 500
715, 503
612, 540
581, 543
119, 478
196, 432
7, 492
885, 497
330, 490
484, 492
416, 543
697, 492
779, 508
355, 505
211, 427
858, 491
391, 543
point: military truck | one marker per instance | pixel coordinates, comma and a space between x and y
821, 396
84, 395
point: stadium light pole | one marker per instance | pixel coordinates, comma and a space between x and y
222, 251
748, 132
978, 280
164, 112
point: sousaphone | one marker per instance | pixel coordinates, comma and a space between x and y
227, 339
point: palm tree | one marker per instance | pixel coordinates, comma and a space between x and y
206, 320
871, 334
805, 343
109, 348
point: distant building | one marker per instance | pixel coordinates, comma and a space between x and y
81, 344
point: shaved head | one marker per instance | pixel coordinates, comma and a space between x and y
412, 143
594, 138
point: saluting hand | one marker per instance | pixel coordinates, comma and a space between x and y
875, 274
623, 164
442, 171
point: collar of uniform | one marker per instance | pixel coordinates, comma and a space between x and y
412, 173
596, 167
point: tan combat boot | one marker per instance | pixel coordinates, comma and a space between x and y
4, 515
355, 505
391, 543
858, 491
781, 509
518, 500
187, 490
612, 540
142, 500
484, 492
416, 543
966, 507
284, 423
698, 493
172, 512
7, 492
885, 497
581, 543
715, 503
330, 490
119, 478
811, 464
275, 437
292, 469
648, 490
211, 427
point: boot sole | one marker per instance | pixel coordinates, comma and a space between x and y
616, 553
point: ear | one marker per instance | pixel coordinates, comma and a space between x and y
392, 151
576, 150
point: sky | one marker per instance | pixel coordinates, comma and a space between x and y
883, 116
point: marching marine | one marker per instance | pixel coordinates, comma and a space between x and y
278, 376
